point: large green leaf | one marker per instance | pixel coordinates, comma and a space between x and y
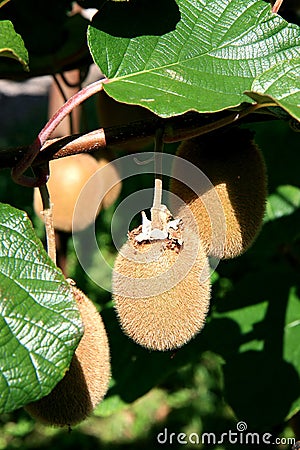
11, 44
39, 322
205, 60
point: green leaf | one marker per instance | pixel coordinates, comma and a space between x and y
281, 85
283, 202
40, 323
12, 45
205, 61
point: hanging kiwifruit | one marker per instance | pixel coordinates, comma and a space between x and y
161, 287
235, 166
109, 177
86, 381
67, 178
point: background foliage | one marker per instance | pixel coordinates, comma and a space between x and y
248, 352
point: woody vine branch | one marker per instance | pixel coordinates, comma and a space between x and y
176, 129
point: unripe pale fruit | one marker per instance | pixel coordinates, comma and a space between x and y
162, 301
67, 177
235, 166
86, 381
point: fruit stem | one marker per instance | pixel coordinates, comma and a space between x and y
48, 219
276, 6
157, 193
158, 210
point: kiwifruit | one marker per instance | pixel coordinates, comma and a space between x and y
109, 177
86, 381
161, 291
67, 177
236, 168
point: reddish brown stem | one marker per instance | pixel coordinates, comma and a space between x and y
176, 129
61, 239
34, 149
62, 112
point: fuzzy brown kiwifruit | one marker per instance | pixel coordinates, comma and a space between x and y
162, 291
86, 381
236, 168
67, 178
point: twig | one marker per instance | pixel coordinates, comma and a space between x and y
48, 219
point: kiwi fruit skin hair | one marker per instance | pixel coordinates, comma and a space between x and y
180, 287
236, 168
86, 382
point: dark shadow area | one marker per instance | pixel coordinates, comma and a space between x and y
280, 146
15, 194
274, 256
137, 18
69, 402
35, 22
231, 336
236, 168
22, 115
261, 386
130, 363
135, 369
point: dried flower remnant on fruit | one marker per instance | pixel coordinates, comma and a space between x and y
171, 230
